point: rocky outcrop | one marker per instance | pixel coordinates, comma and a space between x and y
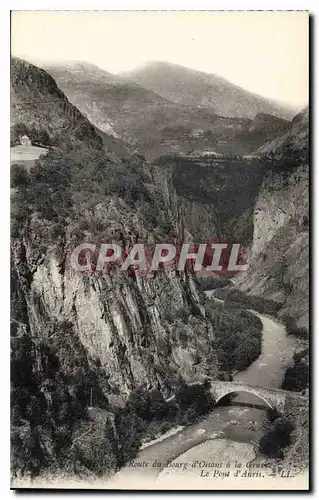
295, 138
42, 111
279, 257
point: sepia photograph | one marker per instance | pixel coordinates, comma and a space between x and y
159, 256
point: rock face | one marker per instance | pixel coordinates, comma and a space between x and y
295, 139
279, 260
280, 201
112, 332
141, 331
33, 88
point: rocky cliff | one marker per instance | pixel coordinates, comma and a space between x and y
279, 259
213, 194
41, 110
83, 346
83, 340
141, 331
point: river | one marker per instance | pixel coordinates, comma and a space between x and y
228, 432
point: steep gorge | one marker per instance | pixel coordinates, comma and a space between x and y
214, 194
124, 331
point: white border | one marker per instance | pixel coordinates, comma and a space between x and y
162, 5
310, 5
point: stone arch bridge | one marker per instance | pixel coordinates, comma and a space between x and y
274, 398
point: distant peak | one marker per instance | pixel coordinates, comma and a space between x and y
157, 64
152, 66
74, 64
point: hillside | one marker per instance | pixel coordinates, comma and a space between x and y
97, 356
295, 139
37, 101
153, 124
195, 88
41, 110
102, 96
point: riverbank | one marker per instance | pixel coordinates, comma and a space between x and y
161, 437
226, 428
228, 431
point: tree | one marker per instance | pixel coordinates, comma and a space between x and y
296, 377
194, 401
129, 428
19, 175
276, 438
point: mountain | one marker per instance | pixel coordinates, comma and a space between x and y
204, 184
153, 124
96, 357
263, 128
83, 189
196, 88
102, 96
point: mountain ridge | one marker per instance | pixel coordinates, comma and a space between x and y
210, 88
154, 124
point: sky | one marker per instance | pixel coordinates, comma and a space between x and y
263, 52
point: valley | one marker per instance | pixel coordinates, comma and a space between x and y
104, 363
156, 123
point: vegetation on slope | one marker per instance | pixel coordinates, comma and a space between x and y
40, 110
146, 414
52, 379
238, 336
237, 298
49, 400
63, 199
296, 377
301, 332
53, 428
212, 282
277, 437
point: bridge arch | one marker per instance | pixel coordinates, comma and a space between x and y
274, 398
218, 398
